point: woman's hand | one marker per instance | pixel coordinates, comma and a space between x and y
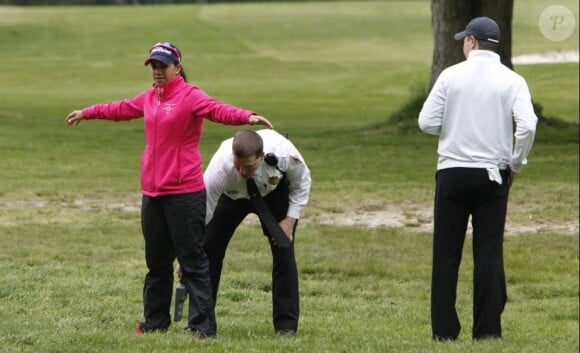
258, 119
74, 117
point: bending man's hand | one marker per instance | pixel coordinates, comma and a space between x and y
287, 225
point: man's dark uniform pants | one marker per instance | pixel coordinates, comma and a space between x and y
227, 217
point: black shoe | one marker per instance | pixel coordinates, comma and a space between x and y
198, 334
444, 338
142, 328
487, 337
286, 332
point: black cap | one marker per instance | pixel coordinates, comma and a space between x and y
482, 28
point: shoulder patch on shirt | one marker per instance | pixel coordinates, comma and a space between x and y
274, 180
232, 192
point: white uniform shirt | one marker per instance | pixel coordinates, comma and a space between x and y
472, 107
221, 177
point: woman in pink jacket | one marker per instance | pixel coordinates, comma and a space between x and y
174, 199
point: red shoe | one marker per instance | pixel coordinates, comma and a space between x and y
142, 329
139, 330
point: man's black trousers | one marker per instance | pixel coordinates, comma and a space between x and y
174, 226
461, 192
227, 217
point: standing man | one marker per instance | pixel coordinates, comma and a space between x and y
472, 108
283, 179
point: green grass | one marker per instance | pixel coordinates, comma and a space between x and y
331, 75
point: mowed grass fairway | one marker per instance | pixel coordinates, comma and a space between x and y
330, 74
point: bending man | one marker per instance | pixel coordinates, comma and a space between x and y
273, 165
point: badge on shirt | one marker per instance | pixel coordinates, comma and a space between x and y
274, 180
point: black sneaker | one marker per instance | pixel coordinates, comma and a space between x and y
197, 333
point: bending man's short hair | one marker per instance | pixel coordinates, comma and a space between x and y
247, 143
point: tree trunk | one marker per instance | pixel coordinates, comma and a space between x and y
451, 16
502, 13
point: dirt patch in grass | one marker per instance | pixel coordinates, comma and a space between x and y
414, 217
420, 218
552, 57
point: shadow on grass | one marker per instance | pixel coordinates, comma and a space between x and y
404, 120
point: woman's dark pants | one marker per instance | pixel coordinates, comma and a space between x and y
174, 227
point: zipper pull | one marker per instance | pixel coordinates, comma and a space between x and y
159, 92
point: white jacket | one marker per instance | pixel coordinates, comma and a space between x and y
472, 108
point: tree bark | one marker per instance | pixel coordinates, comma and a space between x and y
502, 13
451, 16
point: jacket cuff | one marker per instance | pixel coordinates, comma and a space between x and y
294, 211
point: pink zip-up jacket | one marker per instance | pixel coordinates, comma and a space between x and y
171, 163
